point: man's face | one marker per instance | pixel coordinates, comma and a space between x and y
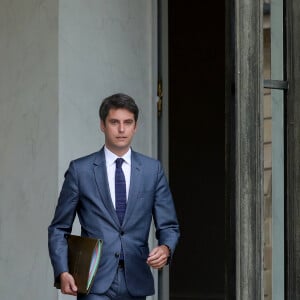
119, 129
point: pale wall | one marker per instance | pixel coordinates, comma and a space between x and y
58, 59
28, 145
104, 47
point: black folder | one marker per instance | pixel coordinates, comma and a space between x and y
84, 255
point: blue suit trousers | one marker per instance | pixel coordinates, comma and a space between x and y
117, 291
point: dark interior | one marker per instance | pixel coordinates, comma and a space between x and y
197, 147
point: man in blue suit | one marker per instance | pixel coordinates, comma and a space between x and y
90, 191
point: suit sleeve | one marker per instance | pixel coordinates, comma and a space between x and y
62, 222
164, 213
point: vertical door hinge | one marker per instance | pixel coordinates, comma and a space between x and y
160, 96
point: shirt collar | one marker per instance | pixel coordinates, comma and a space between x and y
111, 157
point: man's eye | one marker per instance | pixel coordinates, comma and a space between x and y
113, 122
128, 122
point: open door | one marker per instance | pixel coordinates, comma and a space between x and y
192, 143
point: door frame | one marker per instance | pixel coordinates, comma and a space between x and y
292, 150
244, 149
163, 117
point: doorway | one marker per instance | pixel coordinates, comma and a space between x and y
197, 147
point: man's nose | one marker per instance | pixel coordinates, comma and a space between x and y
121, 127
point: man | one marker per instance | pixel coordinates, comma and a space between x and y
116, 200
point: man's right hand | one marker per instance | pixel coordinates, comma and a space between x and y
67, 284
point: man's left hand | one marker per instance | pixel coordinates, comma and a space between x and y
158, 257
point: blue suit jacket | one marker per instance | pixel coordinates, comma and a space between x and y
85, 191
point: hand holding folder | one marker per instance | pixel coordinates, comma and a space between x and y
84, 255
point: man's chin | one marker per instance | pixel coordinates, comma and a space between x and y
120, 147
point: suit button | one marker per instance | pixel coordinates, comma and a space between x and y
117, 254
121, 232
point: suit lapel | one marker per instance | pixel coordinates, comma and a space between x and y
135, 183
102, 184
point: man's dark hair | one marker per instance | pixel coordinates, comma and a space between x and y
118, 101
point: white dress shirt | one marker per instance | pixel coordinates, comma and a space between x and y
111, 168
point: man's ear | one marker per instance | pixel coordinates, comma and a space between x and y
102, 126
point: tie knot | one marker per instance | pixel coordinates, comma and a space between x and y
119, 162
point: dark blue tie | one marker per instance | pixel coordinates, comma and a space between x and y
120, 190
